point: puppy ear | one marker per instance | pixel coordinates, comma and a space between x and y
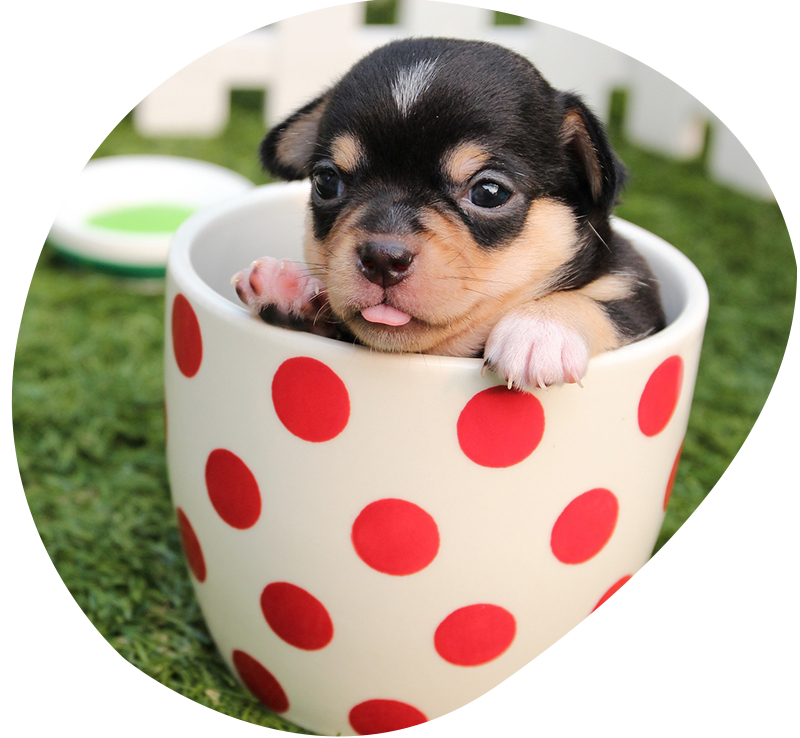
287, 149
598, 171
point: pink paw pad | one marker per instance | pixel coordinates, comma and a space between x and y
280, 283
529, 352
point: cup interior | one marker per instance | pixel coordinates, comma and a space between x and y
269, 221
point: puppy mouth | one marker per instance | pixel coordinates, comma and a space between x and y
385, 314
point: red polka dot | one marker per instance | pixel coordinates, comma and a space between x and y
260, 682
191, 547
297, 617
611, 590
671, 480
233, 489
383, 716
187, 342
499, 427
310, 399
395, 537
660, 396
475, 634
584, 526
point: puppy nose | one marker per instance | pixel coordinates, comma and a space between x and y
384, 262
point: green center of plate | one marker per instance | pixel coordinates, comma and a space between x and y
144, 218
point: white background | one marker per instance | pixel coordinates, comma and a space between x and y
702, 642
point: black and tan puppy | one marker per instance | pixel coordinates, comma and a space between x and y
460, 206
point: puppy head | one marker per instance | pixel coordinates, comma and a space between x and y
449, 182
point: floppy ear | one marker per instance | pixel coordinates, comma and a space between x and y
286, 151
599, 173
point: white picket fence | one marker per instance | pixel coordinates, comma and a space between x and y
295, 59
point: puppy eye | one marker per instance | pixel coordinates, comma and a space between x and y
328, 184
488, 194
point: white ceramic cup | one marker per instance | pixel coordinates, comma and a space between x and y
378, 539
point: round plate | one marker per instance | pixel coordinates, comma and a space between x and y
124, 210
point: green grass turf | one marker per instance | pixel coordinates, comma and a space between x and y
88, 402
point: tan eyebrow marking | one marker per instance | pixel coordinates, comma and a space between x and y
346, 152
464, 161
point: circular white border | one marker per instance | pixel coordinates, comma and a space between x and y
702, 641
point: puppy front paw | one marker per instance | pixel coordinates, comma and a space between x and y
530, 352
271, 287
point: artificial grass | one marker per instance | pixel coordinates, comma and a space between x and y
88, 402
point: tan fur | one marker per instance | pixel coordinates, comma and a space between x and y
608, 288
347, 153
457, 291
549, 340
573, 131
297, 143
580, 312
424, 285
548, 240
464, 161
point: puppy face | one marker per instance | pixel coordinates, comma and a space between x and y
449, 182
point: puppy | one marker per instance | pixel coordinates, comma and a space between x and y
459, 206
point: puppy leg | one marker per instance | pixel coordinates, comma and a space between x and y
549, 341
281, 292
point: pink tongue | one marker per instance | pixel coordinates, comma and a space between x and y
385, 314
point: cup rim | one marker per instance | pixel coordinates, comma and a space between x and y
691, 318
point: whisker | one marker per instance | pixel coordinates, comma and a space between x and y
463, 278
589, 223
457, 256
321, 315
485, 294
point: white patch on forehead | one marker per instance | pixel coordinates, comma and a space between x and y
411, 82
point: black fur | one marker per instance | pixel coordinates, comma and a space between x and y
501, 100
544, 143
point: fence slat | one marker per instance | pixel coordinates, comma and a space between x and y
313, 50
579, 64
421, 18
196, 100
662, 116
731, 165
296, 59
